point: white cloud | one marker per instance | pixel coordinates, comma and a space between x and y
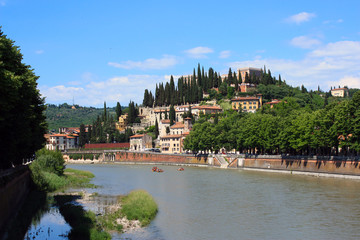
301, 17
224, 54
117, 89
199, 52
2, 3
304, 42
151, 63
326, 64
39, 51
350, 81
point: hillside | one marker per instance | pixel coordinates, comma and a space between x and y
65, 116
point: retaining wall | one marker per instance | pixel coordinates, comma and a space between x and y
15, 185
345, 166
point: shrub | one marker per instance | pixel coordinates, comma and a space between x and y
139, 205
50, 161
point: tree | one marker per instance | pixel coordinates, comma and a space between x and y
82, 136
156, 129
172, 115
118, 111
22, 122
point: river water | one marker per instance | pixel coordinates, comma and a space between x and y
209, 203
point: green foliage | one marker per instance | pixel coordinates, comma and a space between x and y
50, 161
22, 123
139, 205
47, 172
64, 116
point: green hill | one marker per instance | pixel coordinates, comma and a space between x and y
64, 115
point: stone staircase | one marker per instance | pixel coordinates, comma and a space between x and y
222, 161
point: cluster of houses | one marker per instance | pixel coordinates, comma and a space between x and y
170, 139
67, 138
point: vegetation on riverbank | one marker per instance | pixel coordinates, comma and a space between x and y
49, 174
139, 205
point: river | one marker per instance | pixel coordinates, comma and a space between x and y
210, 203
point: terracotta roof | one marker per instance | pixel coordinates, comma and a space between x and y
173, 136
161, 110
186, 133
178, 125
165, 121
137, 136
339, 89
58, 135
187, 118
208, 107
274, 101
244, 98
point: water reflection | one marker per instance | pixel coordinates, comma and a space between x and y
51, 226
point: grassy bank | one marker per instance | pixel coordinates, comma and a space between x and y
49, 175
139, 205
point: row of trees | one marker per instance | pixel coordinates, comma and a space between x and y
283, 129
22, 122
190, 89
103, 128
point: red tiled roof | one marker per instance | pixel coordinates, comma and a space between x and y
137, 136
173, 136
107, 145
244, 98
177, 125
165, 121
208, 107
339, 89
58, 135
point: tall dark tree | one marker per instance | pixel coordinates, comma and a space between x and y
146, 98
156, 129
22, 122
172, 115
118, 111
82, 136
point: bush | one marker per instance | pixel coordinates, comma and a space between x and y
50, 161
139, 205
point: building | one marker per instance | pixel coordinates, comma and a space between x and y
273, 102
247, 104
62, 142
140, 142
122, 124
250, 72
247, 87
340, 92
173, 143
205, 109
162, 127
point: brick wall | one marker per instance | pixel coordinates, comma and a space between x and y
107, 145
321, 166
159, 158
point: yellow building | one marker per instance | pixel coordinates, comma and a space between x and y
171, 143
340, 92
247, 104
122, 124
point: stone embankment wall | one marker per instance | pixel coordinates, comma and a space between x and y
333, 165
14, 187
160, 158
330, 165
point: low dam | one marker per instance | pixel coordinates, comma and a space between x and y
292, 164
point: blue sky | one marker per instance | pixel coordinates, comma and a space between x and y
96, 51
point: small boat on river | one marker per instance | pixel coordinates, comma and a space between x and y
181, 169
156, 169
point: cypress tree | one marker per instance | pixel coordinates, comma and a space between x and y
156, 129
118, 111
172, 115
